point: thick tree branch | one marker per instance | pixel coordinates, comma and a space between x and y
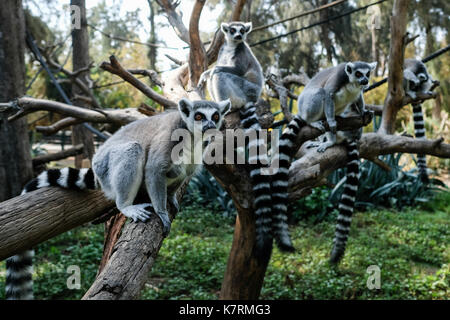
30, 219
197, 53
394, 98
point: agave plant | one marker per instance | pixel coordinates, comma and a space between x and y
380, 188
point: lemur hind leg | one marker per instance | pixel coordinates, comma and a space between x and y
126, 174
237, 89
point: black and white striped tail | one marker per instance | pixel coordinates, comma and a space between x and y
19, 268
260, 183
346, 203
280, 184
419, 128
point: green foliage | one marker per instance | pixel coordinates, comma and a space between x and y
82, 247
380, 188
315, 207
410, 247
192, 260
203, 189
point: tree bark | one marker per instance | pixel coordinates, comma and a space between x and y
81, 60
15, 155
152, 51
37, 216
393, 101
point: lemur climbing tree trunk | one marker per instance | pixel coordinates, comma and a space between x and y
15, 156
80, 58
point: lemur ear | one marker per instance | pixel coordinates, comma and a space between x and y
373, 65
248, 27
224, 27
185, 106
349, 68
225, 106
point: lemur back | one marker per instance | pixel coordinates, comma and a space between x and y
137, 157
416, 79
239, 77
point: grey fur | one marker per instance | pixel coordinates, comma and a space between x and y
416, 78
330, 92
237, 74
139, 156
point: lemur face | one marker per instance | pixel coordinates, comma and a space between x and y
236, 31
359, 72
203, 115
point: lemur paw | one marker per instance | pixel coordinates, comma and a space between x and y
324, 146
166, 222
138, 212
311, 144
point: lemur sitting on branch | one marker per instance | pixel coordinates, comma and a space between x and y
416, 79
238, 76
138, 157
334, 91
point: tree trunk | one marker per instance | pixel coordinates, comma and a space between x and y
395, 94
152, 52
325, 34
375, 52
244, 276
15, 155
80, 40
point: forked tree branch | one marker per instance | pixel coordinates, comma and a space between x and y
175, 18
116, 68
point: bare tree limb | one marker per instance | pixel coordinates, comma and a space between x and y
118, 116
78, 149
197, 53
114, 67
175, 18
151, 74
281, 93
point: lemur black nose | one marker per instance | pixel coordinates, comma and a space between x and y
210, 125
364, 81
238, 37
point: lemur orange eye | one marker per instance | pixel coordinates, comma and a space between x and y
358, 74
198, 117
215, 117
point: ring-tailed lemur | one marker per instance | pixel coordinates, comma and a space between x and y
137, 157
239, 77
416, 79
329, 93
